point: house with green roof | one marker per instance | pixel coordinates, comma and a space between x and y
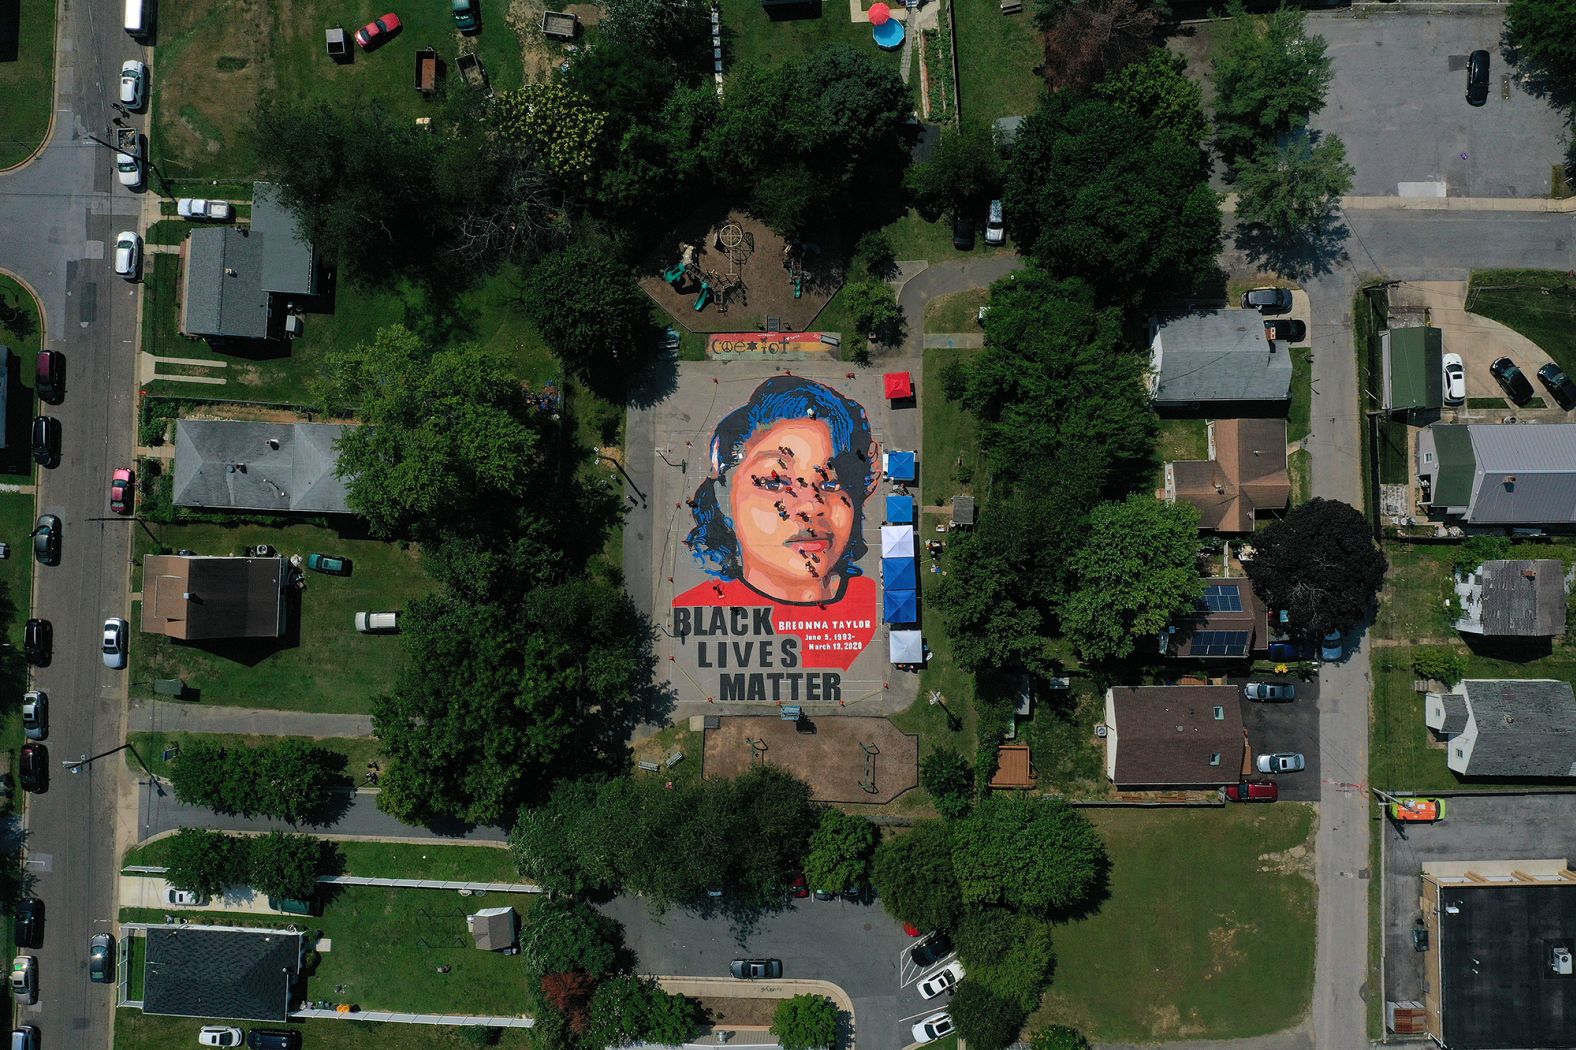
1413, 365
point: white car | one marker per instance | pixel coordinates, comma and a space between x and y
1455, 380
115, 642
128, 255
995, 232
936, 1026
133, 84
185, 898
943, 980
128, 169
219, 1035
1281, 762
197, 208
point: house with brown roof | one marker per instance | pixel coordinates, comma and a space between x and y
1175, 736
196, 598
1244, 474
1229, 621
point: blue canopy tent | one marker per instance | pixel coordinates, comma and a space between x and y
899, 606
900, 466
900, 510
899, 574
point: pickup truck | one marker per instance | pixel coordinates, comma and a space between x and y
198, 208
128, 157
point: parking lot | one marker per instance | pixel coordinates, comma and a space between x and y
1514, 827
1398, 101
1287, 727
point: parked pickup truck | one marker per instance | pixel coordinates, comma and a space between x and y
128, 157
197, 208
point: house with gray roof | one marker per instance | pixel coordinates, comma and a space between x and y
1218, 358
1412, 360
233, 273
219, 971
247, 465
1513, 598
1499, 473
1506, 727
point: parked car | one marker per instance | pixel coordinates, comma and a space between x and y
30, 922
219, 1035
931, 950
24, 979
201, 208
1455, 380
943, 980
798, 888
273, 1039
1286, 331
1270, 692
35, 714
121, 490
1559, 385
377, 622
133, 84
1332, 647
33, 768
328, 564
185, 898
962, 232
24, 1037
49, 376
995, 232
756, 969
1287, 650
114, 647
824, 895
101, 958
1511, 380
46, 440
38, 641
1477, 78
46, 540
374, 34
467, 16
1280, 762
1418, 810
128, 255
1267, 300
128, 158
292, 906
1253, 791
936, 1026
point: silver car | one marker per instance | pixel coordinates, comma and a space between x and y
1281, 762
1270, 692
35, 714
133, 84
114, 647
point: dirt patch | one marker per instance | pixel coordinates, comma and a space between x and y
1295, 861
256, 413
1225, 953
831, 758
537, 55
1166, 1023
728, 1010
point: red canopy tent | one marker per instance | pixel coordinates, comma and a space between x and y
898, 385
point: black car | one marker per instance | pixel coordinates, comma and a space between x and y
33, 769
46, 440
1559, 385
1286, 331
1267, 300
29, 923
756, 969
1511, 380
38, 641
962, 232
931, 950
46, 540
1477, 78
273, 1039
101, 958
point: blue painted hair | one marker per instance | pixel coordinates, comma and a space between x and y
712, 540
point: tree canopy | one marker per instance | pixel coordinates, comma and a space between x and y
1039, 855
1320, 563
566, 935
982, 1018
285, 866
914, 878
1086, 41
206, 862
966, 169
1157, 88
628, 1009
1289, 190
290, 780
1542, 35
947, 778
805, 1022
594, 317
840, 849
1270, 75
1008, 952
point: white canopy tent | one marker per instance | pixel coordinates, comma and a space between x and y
906, 647
897, 541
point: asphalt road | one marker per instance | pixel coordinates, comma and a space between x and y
158, 812
60, 215
1287, 727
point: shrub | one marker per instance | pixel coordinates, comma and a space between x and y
946, 775
1479, 549
1445, 665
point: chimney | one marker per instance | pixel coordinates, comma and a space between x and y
1530, 574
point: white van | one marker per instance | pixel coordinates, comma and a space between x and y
377, 622
136, 17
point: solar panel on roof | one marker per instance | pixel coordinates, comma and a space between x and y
1222, 597
1219, 643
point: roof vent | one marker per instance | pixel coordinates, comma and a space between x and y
1530, 574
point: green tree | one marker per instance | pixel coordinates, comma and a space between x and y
840, 850
965, 171
555, 125
205, 862
1479, 549
285, 865
558, 845
949, 780
626, 1009
566, 935
805, 1022
1058, 1037
1008, 952
293, 779
872, 309
1136, 572
1542, 35
1039, 855
1157, 89
592, 314
914, 877
1290, 190
1445, 665
1270, 75
209, 774
1320, 563
446, 437
982, 1018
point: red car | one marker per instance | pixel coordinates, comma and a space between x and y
120, 491
1253, 791
376, 31
797, 886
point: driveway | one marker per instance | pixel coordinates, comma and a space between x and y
858, 947
1398, 102
1287, 727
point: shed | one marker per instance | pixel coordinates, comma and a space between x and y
494, 929
962, 511
1413, 361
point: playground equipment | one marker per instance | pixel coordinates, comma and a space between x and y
704, 297
869, 780
757, 750
683, 270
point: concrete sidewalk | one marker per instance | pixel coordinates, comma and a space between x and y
166, 716
149, 891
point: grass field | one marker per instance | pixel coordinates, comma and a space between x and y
958, 312
217, 59
1208, 932
1301, 394
914, 238
1540, 304
389, 860
27, 81
1068, 758
997, 55
1181, 439
355, 754
329, 667
136, 1031
750, 37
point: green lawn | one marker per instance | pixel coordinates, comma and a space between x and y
1301, 406
1182, 439
1068, 758
217, 59
914, 238
1540, 304
353, 754
27, 82
659, 746
1299, 465
136, 959
958, 312
951, 451
137, 1031
388, 860
16, 571
329, 667
750, 37
1208, 932
997, 55
1413, 602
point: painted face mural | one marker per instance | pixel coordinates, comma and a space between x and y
779, 525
